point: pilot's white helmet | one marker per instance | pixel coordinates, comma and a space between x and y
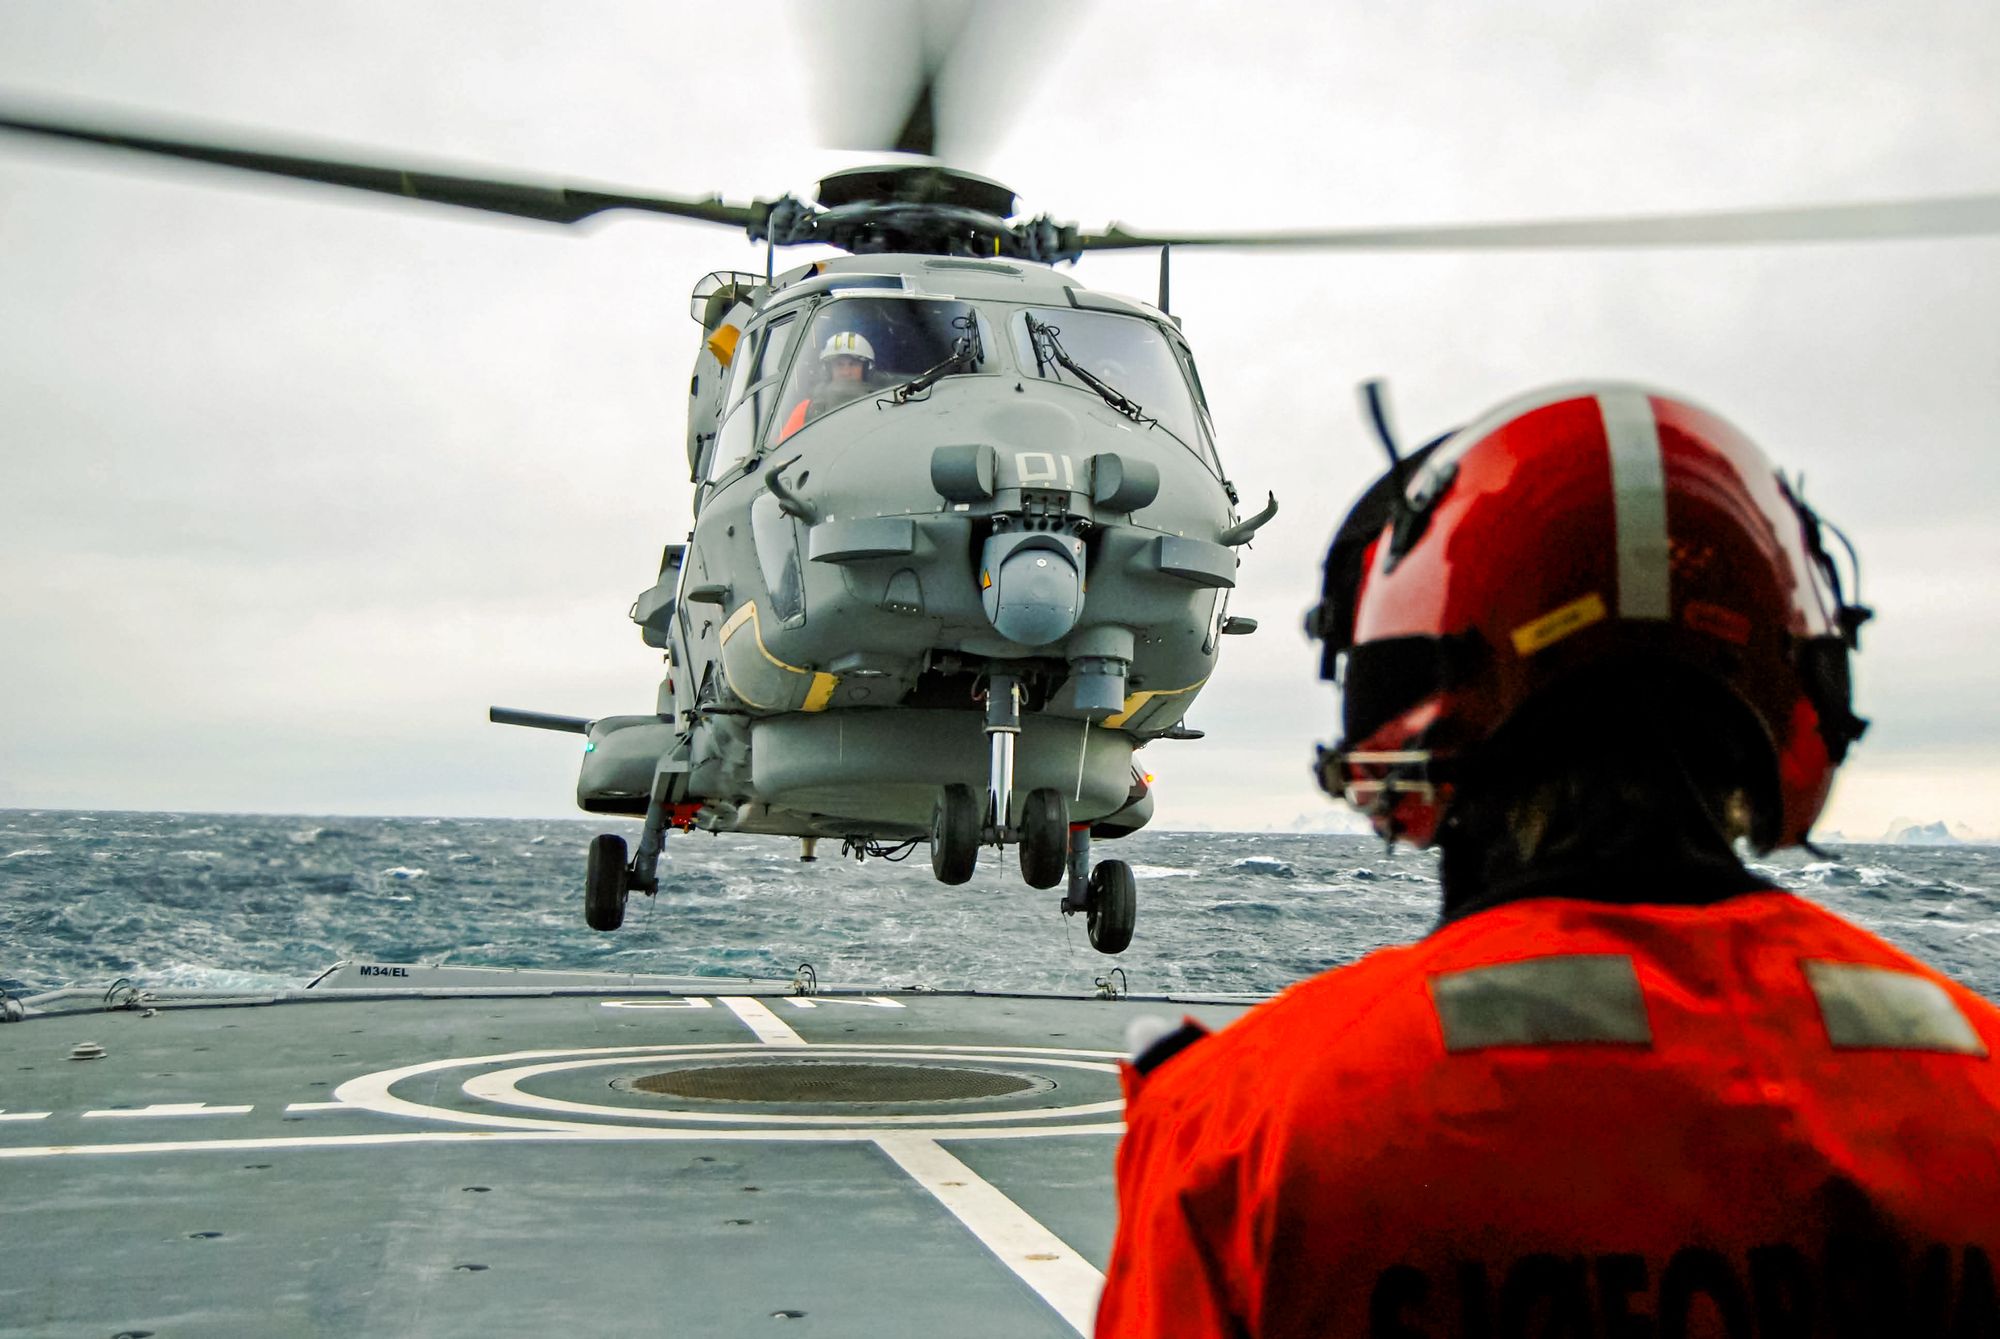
847, 344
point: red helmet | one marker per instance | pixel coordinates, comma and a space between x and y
1569, 530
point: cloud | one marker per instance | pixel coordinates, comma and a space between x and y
298, 484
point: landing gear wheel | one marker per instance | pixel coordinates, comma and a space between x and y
954, 834
1114, 906
1044, 837
604, 884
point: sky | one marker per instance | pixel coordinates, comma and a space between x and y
294, 483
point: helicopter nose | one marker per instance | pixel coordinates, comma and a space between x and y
1032, 585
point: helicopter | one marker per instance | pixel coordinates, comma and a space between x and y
769, 611
962, 542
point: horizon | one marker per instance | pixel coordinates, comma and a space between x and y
1836, 838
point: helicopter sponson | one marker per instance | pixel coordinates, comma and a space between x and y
1015, 492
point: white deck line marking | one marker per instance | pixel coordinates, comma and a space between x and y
1044, 1261
560, 1134
168, 1109
862, 1002
770, 1029
24, 1115
320, 1106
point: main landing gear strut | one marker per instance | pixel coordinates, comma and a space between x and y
1050, 845
609, 878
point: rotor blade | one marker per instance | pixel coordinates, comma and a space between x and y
881, 64
1952, 216
554, 204
919, 132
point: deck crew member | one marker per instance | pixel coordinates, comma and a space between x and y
1627, 1087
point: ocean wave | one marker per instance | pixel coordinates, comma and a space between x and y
1837, 873
257, 908
1256, 910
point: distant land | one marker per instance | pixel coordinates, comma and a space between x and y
1904, 831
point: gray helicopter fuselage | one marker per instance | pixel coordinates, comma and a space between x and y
863, 560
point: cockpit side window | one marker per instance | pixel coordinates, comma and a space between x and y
739, 373
1128, 354
1201, 403
858, 347
753, 379
1194, 379
771, 351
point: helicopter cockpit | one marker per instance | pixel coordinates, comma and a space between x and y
861, 346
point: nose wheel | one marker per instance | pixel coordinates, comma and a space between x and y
954, 834
1050, 844
1044, 837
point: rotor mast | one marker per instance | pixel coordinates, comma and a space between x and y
922, 209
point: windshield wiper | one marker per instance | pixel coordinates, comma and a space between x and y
1049, 348
967, 353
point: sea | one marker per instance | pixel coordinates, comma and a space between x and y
262, 902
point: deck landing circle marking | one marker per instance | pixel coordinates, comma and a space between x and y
502, 1088
374, 1093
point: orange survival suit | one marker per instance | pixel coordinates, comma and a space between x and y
1558, 1117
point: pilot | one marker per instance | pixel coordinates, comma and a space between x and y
847, 368
1627, 1086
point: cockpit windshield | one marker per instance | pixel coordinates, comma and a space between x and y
1123, 354
863, 346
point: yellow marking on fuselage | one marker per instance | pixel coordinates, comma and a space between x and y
818, 694
1136, 701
